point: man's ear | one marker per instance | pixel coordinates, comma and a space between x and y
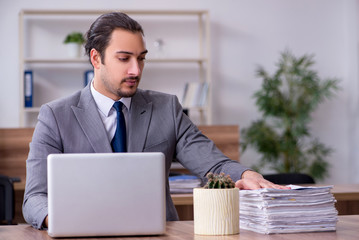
95, 58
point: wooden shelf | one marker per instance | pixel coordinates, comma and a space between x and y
33, 56
85, 60
98, 12
55, 61
32, 109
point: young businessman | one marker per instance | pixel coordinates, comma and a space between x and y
86, 121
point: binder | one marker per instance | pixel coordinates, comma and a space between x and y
28, 88
88, 77
195, 94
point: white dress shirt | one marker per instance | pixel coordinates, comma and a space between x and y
107, 113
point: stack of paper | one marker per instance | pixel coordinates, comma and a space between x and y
299, 209
184, 183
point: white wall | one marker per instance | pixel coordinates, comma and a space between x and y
245, 33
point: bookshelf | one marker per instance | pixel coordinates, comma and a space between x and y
184, 58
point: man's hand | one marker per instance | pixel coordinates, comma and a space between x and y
45, 224
253, 180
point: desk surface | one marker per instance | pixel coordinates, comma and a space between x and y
340, 191
347, 228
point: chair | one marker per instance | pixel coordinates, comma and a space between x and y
289, 178
7, 200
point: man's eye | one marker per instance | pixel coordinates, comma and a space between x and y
142, 59
123, 59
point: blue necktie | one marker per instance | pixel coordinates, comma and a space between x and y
118, 142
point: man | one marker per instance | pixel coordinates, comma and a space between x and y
86, 121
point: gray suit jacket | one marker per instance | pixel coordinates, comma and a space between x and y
156, 124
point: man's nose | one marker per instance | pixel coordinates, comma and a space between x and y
134, 69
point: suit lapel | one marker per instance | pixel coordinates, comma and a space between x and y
139, 120
89, 119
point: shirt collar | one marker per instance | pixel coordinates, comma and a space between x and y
104, 104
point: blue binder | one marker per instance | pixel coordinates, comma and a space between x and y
28, 88
88, 77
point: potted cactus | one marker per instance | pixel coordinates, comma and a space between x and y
216, 206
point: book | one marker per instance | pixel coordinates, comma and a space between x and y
28, 88
88, 76
195, 94
184, 183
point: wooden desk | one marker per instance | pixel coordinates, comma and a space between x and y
347, 228
347, 196
14, 148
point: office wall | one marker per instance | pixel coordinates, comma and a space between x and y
245, 33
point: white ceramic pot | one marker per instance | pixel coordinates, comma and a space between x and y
73, 50
216, 211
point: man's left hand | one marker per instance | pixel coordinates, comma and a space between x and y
253, 180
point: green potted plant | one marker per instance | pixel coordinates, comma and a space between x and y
74, 41
216, 206
287, 100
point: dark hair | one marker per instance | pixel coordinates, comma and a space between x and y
99, 34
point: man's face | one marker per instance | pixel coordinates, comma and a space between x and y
120, 73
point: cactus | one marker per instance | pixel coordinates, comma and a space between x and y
219, 181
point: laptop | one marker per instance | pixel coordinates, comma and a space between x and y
106, 194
